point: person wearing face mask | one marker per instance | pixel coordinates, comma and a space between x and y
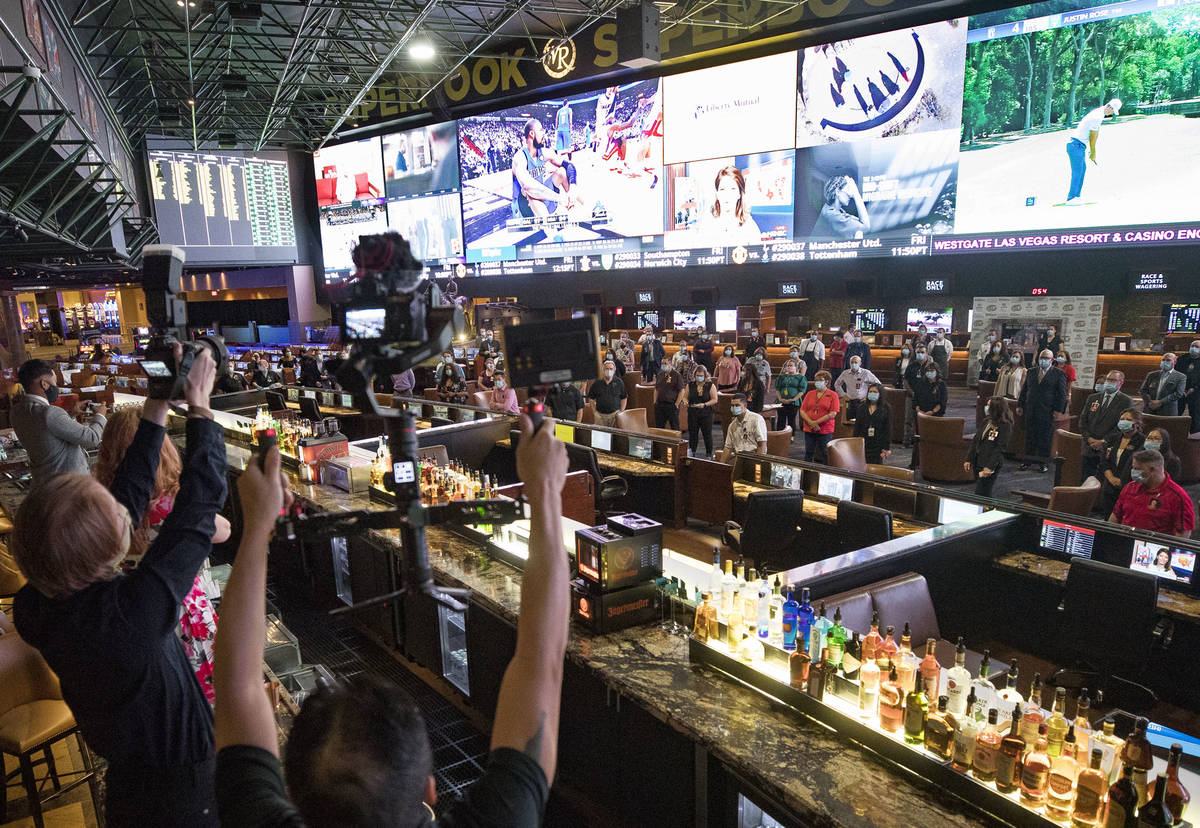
1189, 366
923, 335
653, 354
1116, 463
609, 394
747, 430
1159, 439
940, 351
1010, 379
819, 413
1098, 420
760, 365
1063, 361
452, 389
755, 342
812, 353
623, 350
683, 364
1163, 389
448, 366
310, 369
790, 387
985, 349
729, 370
565, 402
987, 449
703, 350
1153, 501
667, 386
1042, 396
502, 398
993, 363
54, 439
912, 376
287, 360
751, 385
611, 356
835, 355
874, 425
1050, 341
852, 386
700, 397
929, 392
487, 379
860, 349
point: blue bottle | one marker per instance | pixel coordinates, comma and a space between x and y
804, 617
791, 610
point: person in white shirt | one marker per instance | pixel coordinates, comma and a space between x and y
1011, 376
940, 351
812, 354
852, 385
1083, 143
985, 349
747, 430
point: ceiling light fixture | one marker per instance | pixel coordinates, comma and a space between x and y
421, 50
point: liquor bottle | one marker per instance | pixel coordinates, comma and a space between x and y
750, 599
1090, 790
985, 691
1136, 754
706, 620
1032, 714
1035, 774
734, 624
887, 652
1008, 762
819, 676
852, 658
958, 680
907, 662
1177, 795
1010, 697
931, 671
940, 727
804, 617
764, 609
1083, 726
868, 687
1155, 813
751, 649
799, 666
964, 737
837, 640
1056, 725
987, 749
1110, 746
790, 611
775, 621
819, 634
728, 585
891, 703
1064, 769
741, 578
714, 574
872, 640
916, 710
1122, 802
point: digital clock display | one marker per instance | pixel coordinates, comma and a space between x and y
1039, 292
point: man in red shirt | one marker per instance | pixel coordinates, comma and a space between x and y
1153, 501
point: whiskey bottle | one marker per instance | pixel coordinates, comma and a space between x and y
1090, 790
728, 587
1122, 802
908, 664
1010, 697
837, 640
916, 710
931, 671
804, 618
1032, 714
887, 651
799, 666
819, 676
819, 635
1177, 795
965, 736
940, 727
1064, 769
868, 687
891, 703
1111, 746
1035, 775
734, 625
852, 659
790, 611
1056, 725
872, 640
985, 691
1155, 813
958, 680
706, 620
987, 749
1136, 754
1083, 726
1008, 761
775, 619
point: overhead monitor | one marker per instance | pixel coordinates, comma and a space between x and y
645, 318
1067, 539
834, 487
602, 440
932, 319
869, 320
1181, 318
690, 320
726, 320
350, 200
950, 510
1164, 561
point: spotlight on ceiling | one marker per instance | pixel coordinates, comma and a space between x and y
421, 50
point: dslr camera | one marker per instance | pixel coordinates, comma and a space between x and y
162, 280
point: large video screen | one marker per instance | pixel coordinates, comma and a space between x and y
1048, 126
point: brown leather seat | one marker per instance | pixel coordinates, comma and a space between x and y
847, 453
1078, 395
588, 417
779, 443
896, 500
1075, 500
942, 449
289, 375
665, 433
634, 420
897, 400
1066, 448
1182, 443
632, 379
843, 425
642, 396
724, 415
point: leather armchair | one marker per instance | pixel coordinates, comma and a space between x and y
779, 443
847, 453
634, 420
860, 526
770, 531
942, 449
893, 498
843, 425
642, 397
1066, 450
480, 399
1075, 500
632, 380
1182, 443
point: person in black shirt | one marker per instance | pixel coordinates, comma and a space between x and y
1189, 366
989, 369
310, 370
874, 425
700, 397
287, 360
751, 385
610, 396
230, 383
929, 391
987, 449
565, 401
110, 637
703, 348
359, 757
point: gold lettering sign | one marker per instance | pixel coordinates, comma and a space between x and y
558, 58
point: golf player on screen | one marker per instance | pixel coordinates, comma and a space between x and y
1084, 141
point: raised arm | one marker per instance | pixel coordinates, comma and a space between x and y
527, 711
63, 426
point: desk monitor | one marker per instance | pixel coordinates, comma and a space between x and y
293, 394
832, 486
275, 401
950, 510
786, 477
1163, 561
309, 409
1067, 539
347, 400
460, 353
641, 447
601, 441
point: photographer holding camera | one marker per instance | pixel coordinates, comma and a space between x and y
358, 756
110, 637
53, 438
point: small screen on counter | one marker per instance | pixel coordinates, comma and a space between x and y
838, 488
1163, 561
1068, 539
602, 440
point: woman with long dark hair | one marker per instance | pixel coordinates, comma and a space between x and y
987, 449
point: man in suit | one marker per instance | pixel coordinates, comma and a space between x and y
1189, 366
1098, 420
1043, 394
1164, 388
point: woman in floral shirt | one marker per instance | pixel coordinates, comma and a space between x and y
198, 619
452, 389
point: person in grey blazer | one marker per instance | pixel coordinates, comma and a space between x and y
54, 440
1098, 420
1164, 388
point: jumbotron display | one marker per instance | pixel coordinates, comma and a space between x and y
1023, 129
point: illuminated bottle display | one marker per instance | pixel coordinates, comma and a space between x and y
749, 593
852, 658
799, 665
819, 634
940, 727
985, 691
1155, 813
804, 618
819, 676
916, 709
837, 640
931, 671
1060, 793
1091, 790
775, 619
891, 703
1110, 746
1056, 725
887, 651
872, 640
987, 749
1009, 697
907, 663
1008, 761
706, 620
764, 609
1035, 774
964, 739
728, 587
1136, 754
1122, 802
790, 611
1032, 714
1083, 726
868, 689
958, 681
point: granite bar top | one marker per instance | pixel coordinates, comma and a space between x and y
619, 463
824, 511
1172, 603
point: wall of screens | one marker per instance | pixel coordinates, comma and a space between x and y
963, 136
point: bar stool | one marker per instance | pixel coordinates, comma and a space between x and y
33, 717
11, 579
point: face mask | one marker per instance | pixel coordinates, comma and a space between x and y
700, 377
52, 394
1125, 425
920, 356
609, 374
1167, 366
728, 352
1015, 360
991, 337
1194, 351
873, 396
1110, 387
921, 331
491, 367
795, 354
858, 339
448, 360
704, 336
820, 384
1152, 445
855, 367
941, 336
1137, 475
813, 337
500, 384
905, 352
986, 410
1050, 334
609, 356
1045, 363
684, 356
996, 350
931, 375
1061, 360
736, 410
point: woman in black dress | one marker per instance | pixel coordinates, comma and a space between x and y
752, 386
987, 449
1116, 461
874, 425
